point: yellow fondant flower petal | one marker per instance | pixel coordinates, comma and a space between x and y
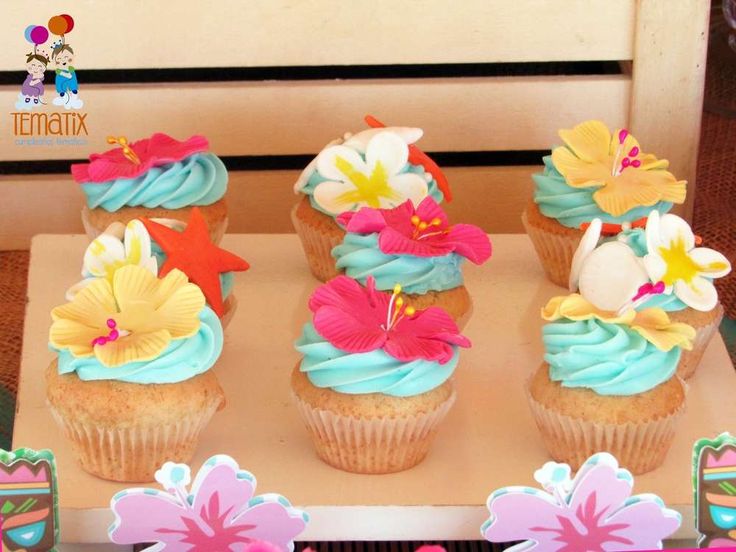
133, 319
655, 326
589, 140
91, 306
637, 188
626, 177
136, 347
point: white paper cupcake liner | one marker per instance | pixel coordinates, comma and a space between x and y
133, 454
555, 251
689, 360
372, 445
639, 447
317, 248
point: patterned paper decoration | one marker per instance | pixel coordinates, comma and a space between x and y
28, 500
594, 511
218, 512
714, 478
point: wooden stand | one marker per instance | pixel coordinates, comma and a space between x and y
489, 439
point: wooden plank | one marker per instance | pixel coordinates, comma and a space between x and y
140, 33
668, 82
259, 201
266, 118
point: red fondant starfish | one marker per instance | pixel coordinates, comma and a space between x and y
192, 252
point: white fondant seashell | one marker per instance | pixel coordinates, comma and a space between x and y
587, 244
611, 276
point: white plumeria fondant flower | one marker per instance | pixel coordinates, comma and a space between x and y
359, 142
685, 270
374, 182
117, 246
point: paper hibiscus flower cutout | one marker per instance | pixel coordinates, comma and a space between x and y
116, 247
218, 512
595, 511
624, 176
134, 159
132, 318
684, 269
422, 231
375, 179
359, 319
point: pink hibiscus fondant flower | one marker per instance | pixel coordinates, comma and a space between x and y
359, 319
423, 231
595, 511
132, 160
218, 513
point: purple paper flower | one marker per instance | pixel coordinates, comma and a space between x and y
594, 512
220, 512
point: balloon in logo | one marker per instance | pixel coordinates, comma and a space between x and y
27, 32
69, 22
39, 35
58, 25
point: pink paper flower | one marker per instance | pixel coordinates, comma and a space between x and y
593, 512
157, 150
220, 512
422, 231
360, 319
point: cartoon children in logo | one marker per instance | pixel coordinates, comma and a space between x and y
67, 85
31, 91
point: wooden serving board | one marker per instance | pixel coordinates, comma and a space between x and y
489, 439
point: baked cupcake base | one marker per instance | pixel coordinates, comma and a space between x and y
372, 433
318, 233
576, 423
95, 221
457, 302
126, 431
554, 243
706, 325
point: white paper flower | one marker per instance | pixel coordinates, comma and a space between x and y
117, 246
172, 476
685, 270
374, 182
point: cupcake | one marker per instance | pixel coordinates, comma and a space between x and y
121, 245
665, 270
131, 386
608, 381
596, 174
375, 381
158, 177
415, 247
379, 167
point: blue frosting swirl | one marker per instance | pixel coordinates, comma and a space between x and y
359, 256
610, 359
362, 373
636, 239
573, 206
200, 179
181, 360
317, 178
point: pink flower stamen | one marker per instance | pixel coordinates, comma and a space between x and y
112, 335
421, 227
395, 312
629, 160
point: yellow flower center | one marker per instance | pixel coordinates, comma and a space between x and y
681, 266
368, 189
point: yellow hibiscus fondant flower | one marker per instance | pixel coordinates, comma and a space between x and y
652, 324
614, 163
132, 317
